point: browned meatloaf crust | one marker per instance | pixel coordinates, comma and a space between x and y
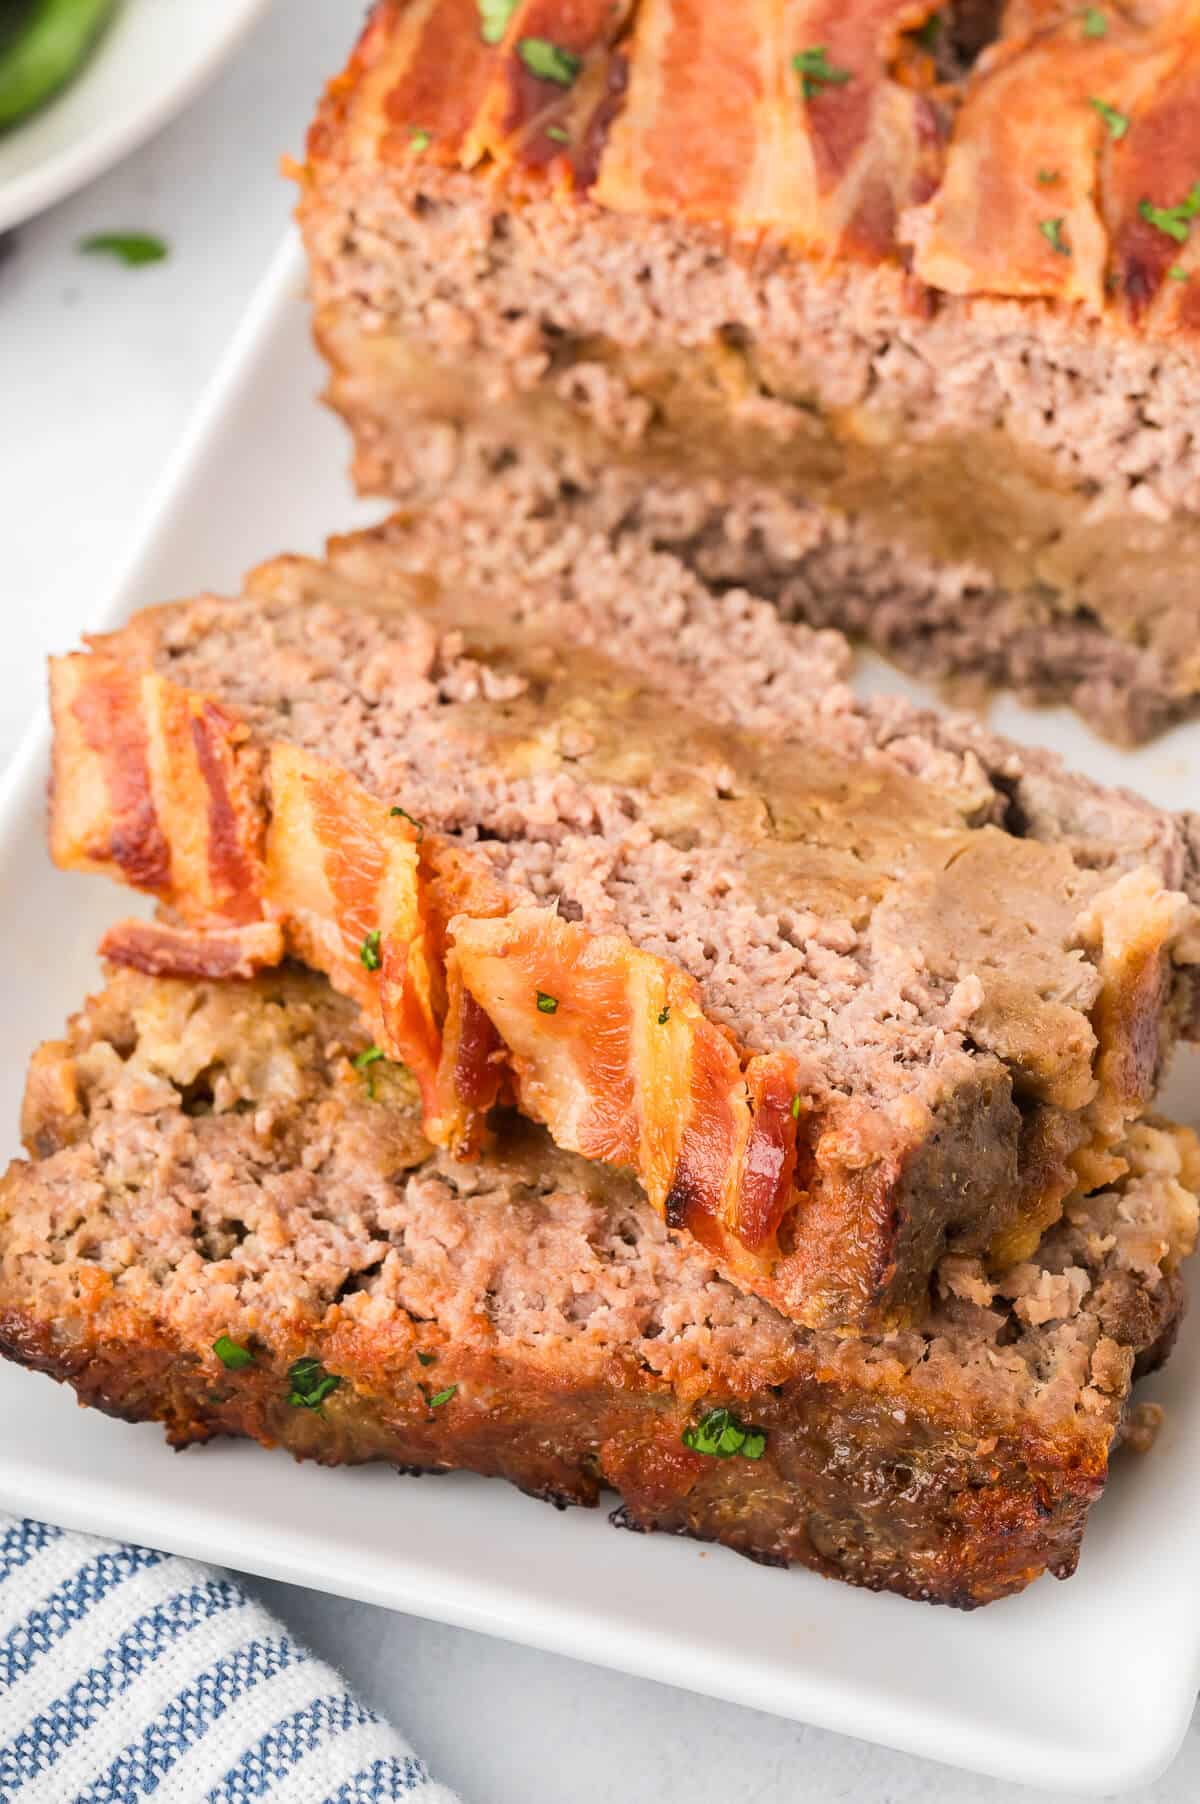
844, 985
912, 349
206, 1160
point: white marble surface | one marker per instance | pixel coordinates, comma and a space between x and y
99, 368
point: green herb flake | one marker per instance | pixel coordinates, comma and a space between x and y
927, 35
368, 952
411, 819
1177, 273
494, 16
421, 139
1174, 221
1095, 25
721, 1434
1052, 232
558, 134
134, 249
426, 1359
664, 1015
1116, 121
549, 62
436, 1402
232, 1356
796, 1107
1048, 177
817, 72
310, 1384
547, 1005
363, 1063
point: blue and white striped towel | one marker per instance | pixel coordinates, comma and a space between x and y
127, 1674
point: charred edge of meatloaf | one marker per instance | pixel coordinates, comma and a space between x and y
207, 1162
939, 1526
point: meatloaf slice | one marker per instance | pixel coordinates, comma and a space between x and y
890, 310
225, 1225
805, 965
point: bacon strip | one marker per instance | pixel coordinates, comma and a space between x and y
875, 144
412, 88
132, 752
161, 950
532, 119
423, 84
342, 874
1019, 210
701, 88
1159, 163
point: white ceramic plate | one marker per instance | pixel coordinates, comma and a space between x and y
149, 63
1085, 1686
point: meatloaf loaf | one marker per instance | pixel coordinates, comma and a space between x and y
887, 308
844, 985
226, 1226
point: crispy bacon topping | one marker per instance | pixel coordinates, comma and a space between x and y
161, 950
133, 751
832, 128
549, 76
1020, 207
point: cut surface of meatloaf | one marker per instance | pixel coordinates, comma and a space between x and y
227, 1226
844, 985
911, 346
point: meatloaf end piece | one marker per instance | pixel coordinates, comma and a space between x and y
843, 985
891, 317
209, 1167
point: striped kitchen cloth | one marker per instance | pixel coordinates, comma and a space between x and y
128, 1674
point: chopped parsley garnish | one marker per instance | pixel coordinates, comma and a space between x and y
816, 71
426, 1359
796, 1107
549, 62
547, 1005
232, 1356
721, 1433
411, 819
928, 34
559, 135
132, 248
363, 1063
1052, 232
1094, 22
664, 1015
442, 1397
494, 16
1178, 273
368, 952
310, 1384
1174, 221
1116, 121
421, 139
1048, 177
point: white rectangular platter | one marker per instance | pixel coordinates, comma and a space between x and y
1086, 1686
